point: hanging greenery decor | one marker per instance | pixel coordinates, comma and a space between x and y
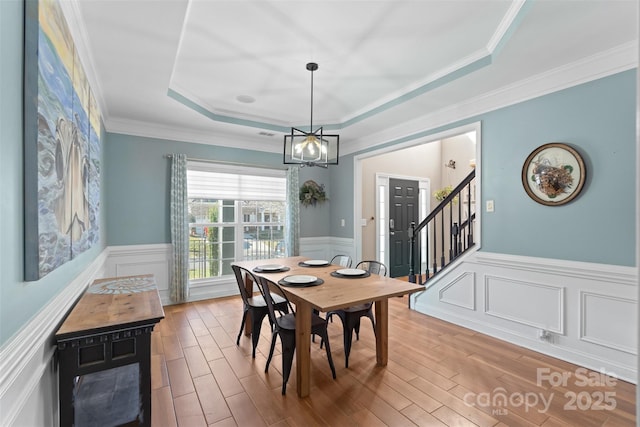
311, 193
442, 194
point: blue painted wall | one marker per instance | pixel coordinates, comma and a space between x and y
137, 186
598, 118
20, 300
317, 220
599, 226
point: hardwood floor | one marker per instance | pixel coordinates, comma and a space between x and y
438, 374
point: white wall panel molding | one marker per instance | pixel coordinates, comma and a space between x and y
598, 272
589, 309
460, 292
133, 260
316, 247
599, 313
219, 289
136, 268
532, 304
27, 370
139, 250
343, 246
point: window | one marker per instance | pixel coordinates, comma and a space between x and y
235, 213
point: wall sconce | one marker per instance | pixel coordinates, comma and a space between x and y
451, 164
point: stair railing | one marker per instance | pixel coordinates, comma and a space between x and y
445, 234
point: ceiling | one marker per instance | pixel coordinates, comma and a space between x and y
234, 72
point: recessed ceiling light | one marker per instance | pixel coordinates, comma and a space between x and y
245, 99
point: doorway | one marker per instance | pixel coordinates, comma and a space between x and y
419, 159
403, 210
399, 201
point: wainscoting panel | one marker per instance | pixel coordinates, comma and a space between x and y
142, 259
533, 304
157, 268
326, 247
460, 292
588, 310
316, 247
605, 320
343, 246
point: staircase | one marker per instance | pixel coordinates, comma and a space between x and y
445, 234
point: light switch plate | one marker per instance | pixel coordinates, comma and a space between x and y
489, 205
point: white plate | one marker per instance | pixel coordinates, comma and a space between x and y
271, 267
351, 272
316, 262
300, 278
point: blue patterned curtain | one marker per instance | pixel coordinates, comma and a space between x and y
179, 285
292, 217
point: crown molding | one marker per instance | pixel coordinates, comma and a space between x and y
174, 133
618, 59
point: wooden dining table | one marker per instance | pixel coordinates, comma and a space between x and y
334, 293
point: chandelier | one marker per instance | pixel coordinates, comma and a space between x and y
313, 148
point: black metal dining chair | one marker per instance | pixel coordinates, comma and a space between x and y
342, 260
284, 326
351, 316
254, 306
373, 267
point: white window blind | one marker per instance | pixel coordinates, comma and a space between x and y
225, 182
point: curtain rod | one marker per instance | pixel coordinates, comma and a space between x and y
223, 162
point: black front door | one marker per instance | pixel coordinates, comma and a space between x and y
403, 209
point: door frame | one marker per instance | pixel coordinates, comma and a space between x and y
382, 209
412, 141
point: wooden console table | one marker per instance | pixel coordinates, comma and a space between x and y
109, 327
